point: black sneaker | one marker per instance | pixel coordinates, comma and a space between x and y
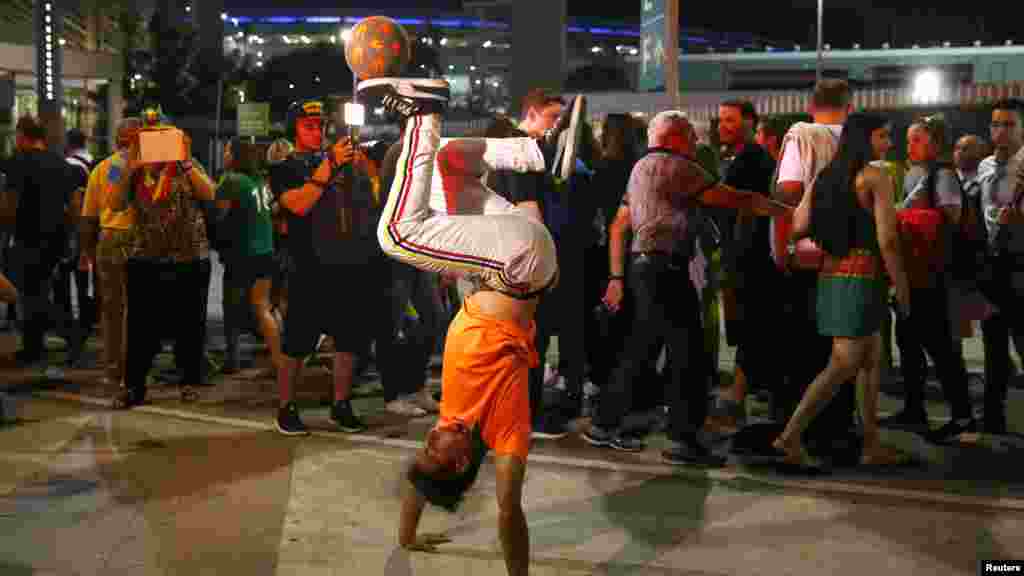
565, 136
906, 420
407, 96
603, 439
949, 431
288, 421
550, 426
694, 454
345, 418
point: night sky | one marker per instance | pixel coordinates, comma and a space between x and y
868, 22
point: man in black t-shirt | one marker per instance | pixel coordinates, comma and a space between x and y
43, 184
332, 222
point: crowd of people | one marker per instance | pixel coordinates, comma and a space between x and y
657, 233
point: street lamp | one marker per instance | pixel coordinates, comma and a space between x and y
927, 87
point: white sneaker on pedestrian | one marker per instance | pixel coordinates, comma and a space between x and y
403, 407
425, 400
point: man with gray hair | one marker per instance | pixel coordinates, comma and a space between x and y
663, 187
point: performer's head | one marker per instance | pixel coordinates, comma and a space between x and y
306, 125
540, 110
446, 452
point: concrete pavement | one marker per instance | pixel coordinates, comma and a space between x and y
87, 491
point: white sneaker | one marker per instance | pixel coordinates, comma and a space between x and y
425, 400
403, 407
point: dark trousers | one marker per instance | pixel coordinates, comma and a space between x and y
605, 333
165, 299
419, 337
1006, 291
562, 311
759, 298
929, 329
802, 353
36, 273
666, 313
87, 311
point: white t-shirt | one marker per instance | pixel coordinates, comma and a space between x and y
791, 166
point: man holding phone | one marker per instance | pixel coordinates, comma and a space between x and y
331, 200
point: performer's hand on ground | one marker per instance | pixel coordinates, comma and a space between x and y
428, 542
613, 296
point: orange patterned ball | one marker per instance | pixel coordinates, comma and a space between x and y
378, 47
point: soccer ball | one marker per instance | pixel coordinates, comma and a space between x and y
378, 47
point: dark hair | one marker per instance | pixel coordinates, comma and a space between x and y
31, 128
75, 139
618, 138
832, 93
935, 126
835, 211
501, 127
746, 108
774, 126
538, 98
1010, 105
248, 158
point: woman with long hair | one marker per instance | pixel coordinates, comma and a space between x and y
850, 214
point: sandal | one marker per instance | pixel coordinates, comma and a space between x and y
189, 394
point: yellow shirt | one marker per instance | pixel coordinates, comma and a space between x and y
104, 195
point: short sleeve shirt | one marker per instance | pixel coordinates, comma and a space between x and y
791, 165
996, 181
104, 195
947, 188
660, 190
252, 232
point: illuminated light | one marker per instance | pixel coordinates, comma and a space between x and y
634, 51
495, 84
138, 76
927, 86
1009, 42
378, 111
451, 66
49, 29
856, 46
316, 79
334, 39
239, 34
444, 41
487, 44
241, 96
885, 45
234, 21
188, 8
259, 54
828, 46
597, 49
478, 82
947, 44
286, 39
259, 64
223, 16
47, 18
47, 6
346, 35
472, 68
916, 46
49, 39
324, 19
291, 86
977, 43
354, 114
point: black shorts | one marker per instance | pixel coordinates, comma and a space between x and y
336, 300
448, 493
244, 271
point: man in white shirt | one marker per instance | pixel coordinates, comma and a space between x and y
806, 150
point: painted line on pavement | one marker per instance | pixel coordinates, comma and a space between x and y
817, 486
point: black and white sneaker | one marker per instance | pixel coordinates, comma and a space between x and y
288, 421
407, 96
345, 418
565, 135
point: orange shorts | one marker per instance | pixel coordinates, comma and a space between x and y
485, 379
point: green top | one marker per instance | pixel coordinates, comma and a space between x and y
249, 217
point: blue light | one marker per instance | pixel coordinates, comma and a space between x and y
411, 21
324, 19
577, 29
454, 23
243, 19
280, 20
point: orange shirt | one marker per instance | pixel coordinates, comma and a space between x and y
485, 379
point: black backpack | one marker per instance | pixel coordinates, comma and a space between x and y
966, 241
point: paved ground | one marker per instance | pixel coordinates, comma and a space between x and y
87, 491
207, 488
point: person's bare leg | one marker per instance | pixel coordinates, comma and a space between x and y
870, 378
739, 385
847, 358
260, 296
344, 367
510, 472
